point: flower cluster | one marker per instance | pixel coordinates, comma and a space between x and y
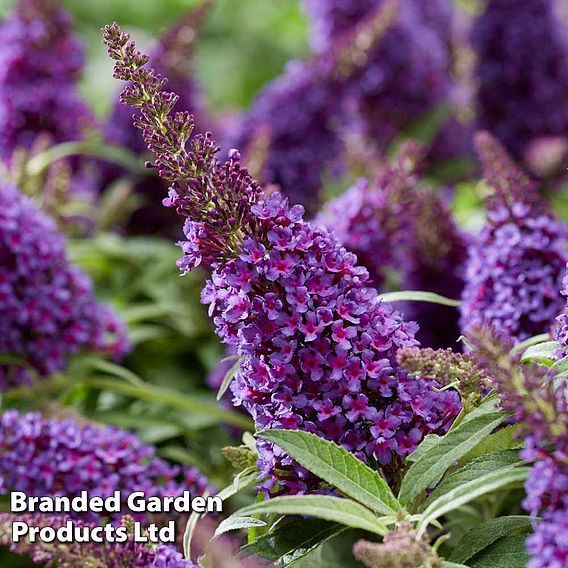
522, 71
47, 456
368, 219
516, 264
306, 139
48, 307
407, 75
446, 367
317, 347
40, 63
80, 554
398, 224
540, 405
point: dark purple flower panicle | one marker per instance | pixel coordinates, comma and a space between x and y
407, 75
78, 554
317, 347
40, 64
48, 307
541, 408
173, 57
516, 265
397, 224
63, 457
522, 72
302, 112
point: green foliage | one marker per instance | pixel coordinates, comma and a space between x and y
291, 541
336, 509
507, 552
484, 535
416, 296
338, 467
429, 468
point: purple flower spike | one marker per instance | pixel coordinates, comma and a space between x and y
516, 265
296, 272
48, 307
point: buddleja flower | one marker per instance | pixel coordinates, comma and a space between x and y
317, 347
173, 57
86, 553
398, 224
522, 71
51, 457
48, 307
305, 138
540, 406
368, 218
516, 265
40, 64
407, 75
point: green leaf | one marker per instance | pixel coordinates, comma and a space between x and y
228, 379
542, 352
535, 340
114, 370
236, 524
504, 439
446, 564
560, 367
466, 492
338, 467
427, 471
428, 443
324, 507
507, 552
171, 398
417, 296
482, 536
473, 470
289, 542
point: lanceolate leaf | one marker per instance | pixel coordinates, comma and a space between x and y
335, 509
227, 380
543, 352
237, 523
474, 470
427, 471
507, 552
338, 467
416, 296
290, 542
471, 490
482, 536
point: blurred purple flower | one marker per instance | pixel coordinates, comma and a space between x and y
77, 554
522, 71
48, 457
48, 307
515, 269
40, 64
